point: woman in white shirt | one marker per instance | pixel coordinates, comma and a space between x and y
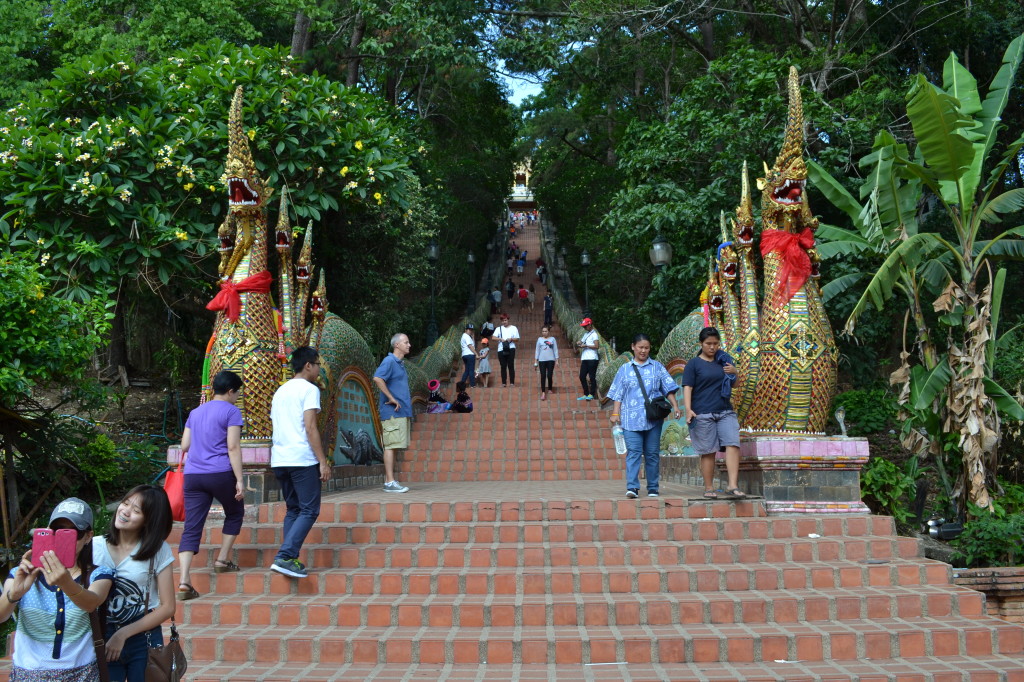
142, 598
507, 336
545, 356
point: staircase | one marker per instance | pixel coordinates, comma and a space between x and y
515, 556
567, 580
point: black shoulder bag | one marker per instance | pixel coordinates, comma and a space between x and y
656, 409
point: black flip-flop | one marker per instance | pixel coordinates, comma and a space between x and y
735, 494
710, 494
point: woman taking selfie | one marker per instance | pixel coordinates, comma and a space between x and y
54, 636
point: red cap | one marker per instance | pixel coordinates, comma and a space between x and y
586, 321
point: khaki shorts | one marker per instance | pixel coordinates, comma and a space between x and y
396, 433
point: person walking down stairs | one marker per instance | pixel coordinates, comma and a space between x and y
544, 358
589, 360
507, 336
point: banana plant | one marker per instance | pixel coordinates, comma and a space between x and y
955, 131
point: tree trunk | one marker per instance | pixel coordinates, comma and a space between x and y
707, 32
300, 35
352, 79
117, 349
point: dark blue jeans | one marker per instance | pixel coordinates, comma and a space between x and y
300, 488
131, 666
467, 374
646, 446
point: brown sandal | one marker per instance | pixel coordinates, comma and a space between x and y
225, 567
186, 594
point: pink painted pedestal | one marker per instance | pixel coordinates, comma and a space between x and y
803, 474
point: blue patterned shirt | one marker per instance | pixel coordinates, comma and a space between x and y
626, 390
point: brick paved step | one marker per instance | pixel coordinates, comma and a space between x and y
681, 530
447, 611
606, 553
667, 507
588, 580
991, 668
680, 643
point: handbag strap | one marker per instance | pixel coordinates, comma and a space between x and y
151, 578
98, 642
640, 380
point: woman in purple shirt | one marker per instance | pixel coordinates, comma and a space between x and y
213, 470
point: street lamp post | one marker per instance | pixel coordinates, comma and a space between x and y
660, 253
470, 260
585, 262
433, 253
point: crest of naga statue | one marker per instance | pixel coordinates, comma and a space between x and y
783, 344
251, 336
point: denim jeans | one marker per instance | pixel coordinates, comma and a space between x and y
131, 666
300, 488
467, 374
644, 445
588, 370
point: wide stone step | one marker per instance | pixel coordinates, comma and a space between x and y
576, 579
446, 611
580, 530
991, 668
667, 507
607, 553
675, 643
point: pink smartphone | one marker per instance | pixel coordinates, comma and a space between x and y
62, 542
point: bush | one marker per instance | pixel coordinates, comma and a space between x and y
867, 411
990, 540
888, 489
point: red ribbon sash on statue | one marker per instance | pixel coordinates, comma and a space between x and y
796, 264
228, 298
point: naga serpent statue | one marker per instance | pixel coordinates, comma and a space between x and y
251, 337
783, 345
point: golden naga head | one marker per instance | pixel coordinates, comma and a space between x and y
304, 264
743, 227
782, 187
283, 231
728, 264
318, 300
246, 191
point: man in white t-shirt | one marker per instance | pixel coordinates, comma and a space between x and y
297, 457
507, 336
469, 355
589, 359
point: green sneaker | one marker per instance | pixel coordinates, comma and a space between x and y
293, 568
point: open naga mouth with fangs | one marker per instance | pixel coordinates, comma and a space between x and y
302, 272
815, 270
729, 270
283, 239
745, 235
716, 302
791, 192
227, 243
316, 305
240, 193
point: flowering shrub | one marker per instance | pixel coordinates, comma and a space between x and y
115, 170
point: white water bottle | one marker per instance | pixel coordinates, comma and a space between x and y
620, 439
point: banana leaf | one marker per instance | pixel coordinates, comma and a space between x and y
925, 386
840, 285
940, 128
1006, 403
1007, 202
